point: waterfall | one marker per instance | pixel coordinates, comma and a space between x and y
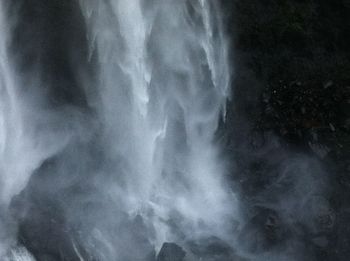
161, 85
164, 81
13, 176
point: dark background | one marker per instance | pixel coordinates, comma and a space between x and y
291, 86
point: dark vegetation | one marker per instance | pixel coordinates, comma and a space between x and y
292, 88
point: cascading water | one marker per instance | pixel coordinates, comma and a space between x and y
164, 81
28, 134
161, 87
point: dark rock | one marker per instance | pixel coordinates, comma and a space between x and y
321, 241
213, 249
328, 84
171, 252
262, 232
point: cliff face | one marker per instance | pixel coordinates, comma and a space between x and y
291, 98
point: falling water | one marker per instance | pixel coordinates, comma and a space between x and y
161, 87
164, 81
30, 133
13, 145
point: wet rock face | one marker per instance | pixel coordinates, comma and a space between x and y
204, 249
263, 232
212, 249
291, 59
171, 252
50, 36
73, 221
